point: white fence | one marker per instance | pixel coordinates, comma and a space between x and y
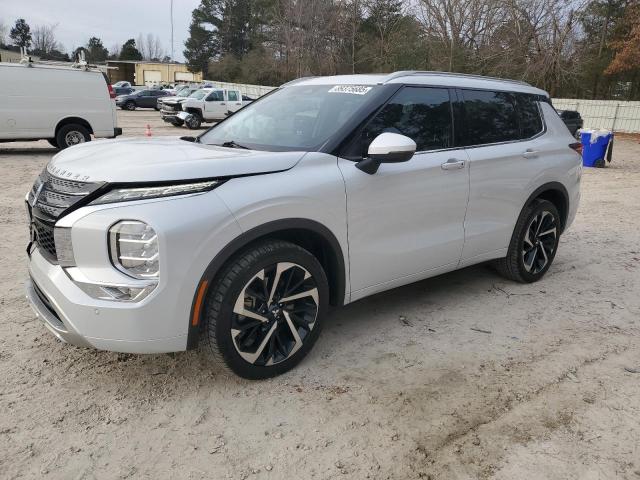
254, 91
610, 114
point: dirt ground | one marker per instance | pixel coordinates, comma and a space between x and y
462, 376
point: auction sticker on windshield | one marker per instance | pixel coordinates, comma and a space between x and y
352, 89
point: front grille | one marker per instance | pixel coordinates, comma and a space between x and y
43, 235
49, 198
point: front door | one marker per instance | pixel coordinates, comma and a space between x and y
406, 221
215, 106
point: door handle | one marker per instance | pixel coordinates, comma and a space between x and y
222, 103
529, 153
453, 164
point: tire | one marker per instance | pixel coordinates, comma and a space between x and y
72, 134
178, 123
53, 142
534, 243
130, 105
194, 121
278, 335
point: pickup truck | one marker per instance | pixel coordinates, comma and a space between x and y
204, 105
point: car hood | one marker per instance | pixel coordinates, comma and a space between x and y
162, 159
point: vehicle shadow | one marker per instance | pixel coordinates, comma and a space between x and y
28, 151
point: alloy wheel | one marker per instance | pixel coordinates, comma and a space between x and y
539, 242
274, 314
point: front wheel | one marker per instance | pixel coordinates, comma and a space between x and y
194, 121
534, 243
265, 311
130, 105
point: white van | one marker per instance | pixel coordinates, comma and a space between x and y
61, 104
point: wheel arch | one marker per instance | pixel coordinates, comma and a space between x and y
308, 234
71, 121
556, 193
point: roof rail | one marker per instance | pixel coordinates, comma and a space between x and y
408, 73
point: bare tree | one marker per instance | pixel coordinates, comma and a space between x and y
150, 47
44, 39
3, 32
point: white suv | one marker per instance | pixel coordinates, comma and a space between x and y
319, 194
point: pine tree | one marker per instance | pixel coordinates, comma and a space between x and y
129, 51
96, 52
21, 33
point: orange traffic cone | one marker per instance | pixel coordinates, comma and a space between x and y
147, 132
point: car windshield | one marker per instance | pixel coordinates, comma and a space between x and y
293, 118
198, 94
185, 92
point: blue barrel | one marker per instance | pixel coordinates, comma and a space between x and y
594, 154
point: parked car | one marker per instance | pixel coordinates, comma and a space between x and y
147, 98
572, 120
212, 105
122, 84
123, 90
326, 191
82, 105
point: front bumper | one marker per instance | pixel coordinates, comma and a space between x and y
158, 323
75, 318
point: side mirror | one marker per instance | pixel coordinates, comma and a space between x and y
387, 148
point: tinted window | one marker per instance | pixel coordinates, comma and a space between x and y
490, 117
422, 114
529, 116
216, 96
233, 96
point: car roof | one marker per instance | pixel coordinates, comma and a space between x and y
423, 78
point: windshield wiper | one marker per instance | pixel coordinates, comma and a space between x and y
233, 144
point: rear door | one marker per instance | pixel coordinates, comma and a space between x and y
406, 221
501, 138
234, 100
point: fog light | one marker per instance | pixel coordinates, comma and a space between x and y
133, 248
119, 293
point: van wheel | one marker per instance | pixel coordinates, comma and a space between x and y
53, 142
534, 243
72, 134
130, 105
194, 121
266, 310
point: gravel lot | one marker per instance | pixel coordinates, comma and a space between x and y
463, 376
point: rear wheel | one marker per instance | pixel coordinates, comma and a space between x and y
72, 134
534, 243
130, 105
266, 310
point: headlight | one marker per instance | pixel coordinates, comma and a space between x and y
143, 193
133, 247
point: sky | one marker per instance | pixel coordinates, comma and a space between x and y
112, 21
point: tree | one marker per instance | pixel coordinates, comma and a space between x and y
201, 46
150, 47
96, 51
627, 49
129, 51
21, 33
44, 40
3, 32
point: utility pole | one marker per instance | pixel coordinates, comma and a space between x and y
172, 58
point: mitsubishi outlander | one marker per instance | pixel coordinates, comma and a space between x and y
323, 192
